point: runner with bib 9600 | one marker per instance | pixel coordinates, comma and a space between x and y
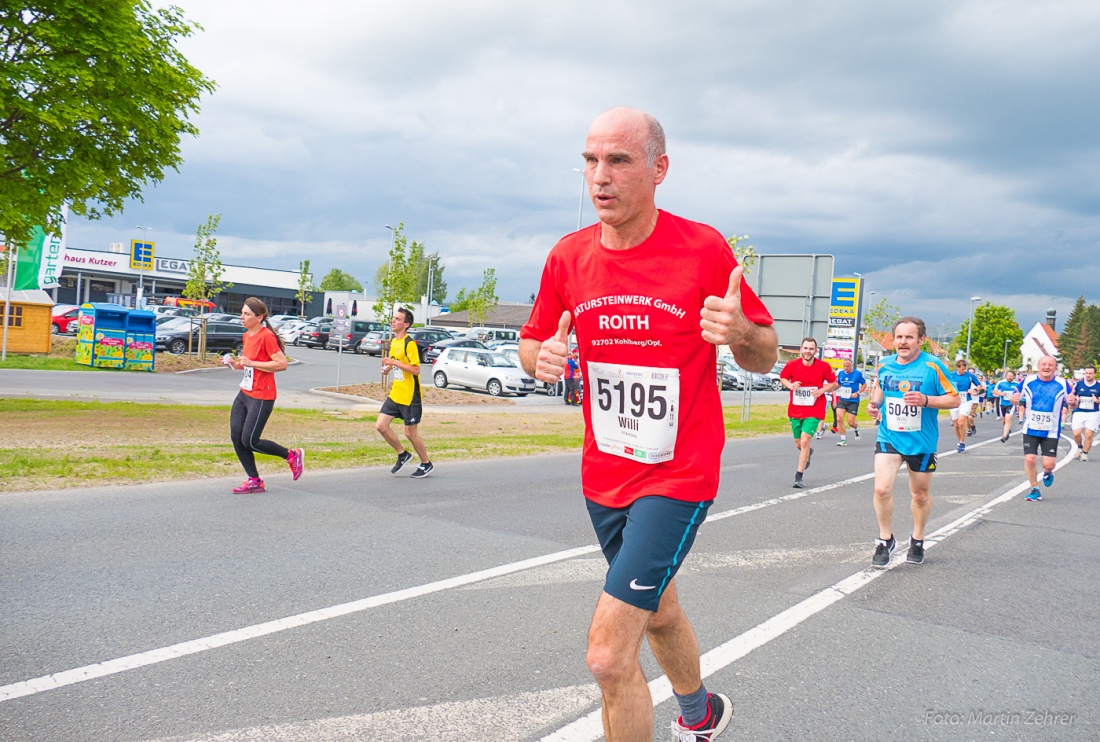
637, 286
809, 380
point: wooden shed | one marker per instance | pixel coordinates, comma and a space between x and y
29, 320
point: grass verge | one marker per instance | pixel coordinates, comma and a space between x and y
53, 444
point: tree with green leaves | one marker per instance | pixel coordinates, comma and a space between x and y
305, 287
94, 99
997, 338
745, 253
484, 298
393, 282
881, 317
1079, 342
338, 280
205, 270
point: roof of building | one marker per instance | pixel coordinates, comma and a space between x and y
508, 316
886, 340
28, 296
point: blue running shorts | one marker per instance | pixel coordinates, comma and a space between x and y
644, 544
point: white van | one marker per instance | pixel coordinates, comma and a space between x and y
491, 334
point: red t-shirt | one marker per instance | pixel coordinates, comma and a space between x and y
260, 347
814, 376
636, 316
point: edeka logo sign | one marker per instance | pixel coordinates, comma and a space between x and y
843, 301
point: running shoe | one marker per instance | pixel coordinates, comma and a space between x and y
856, 431
798, 485
719, 713
423, 470
402, 458
916, 551
1048, 478
1034, 496
297, 462
842, 442
1004, 438
1084, 457
1078, 454
250, 486
819, 434
961, 448
883, 550
973, 430
833, 430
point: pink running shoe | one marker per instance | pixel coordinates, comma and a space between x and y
250, 486
297, 462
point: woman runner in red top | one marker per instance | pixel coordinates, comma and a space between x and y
263, 356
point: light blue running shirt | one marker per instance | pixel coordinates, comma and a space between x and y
911, 430
1044, 400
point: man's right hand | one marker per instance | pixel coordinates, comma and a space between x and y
554, 353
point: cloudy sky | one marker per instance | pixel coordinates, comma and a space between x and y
944, 149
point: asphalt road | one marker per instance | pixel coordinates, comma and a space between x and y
314, 368
356, 605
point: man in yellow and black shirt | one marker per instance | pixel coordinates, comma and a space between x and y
403, 366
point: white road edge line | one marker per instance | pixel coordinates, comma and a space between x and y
590, 728
154, 656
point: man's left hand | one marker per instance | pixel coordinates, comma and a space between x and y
723, 321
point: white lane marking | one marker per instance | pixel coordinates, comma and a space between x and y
476, 719
590, 728
142, 659
134, 661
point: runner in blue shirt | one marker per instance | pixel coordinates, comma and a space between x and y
1086, 416
967, 385
1002, 393
912, 387
852, 384
1043, 396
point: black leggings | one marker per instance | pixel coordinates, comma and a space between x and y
246, 425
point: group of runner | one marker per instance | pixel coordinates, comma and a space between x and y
649, 296
263, 355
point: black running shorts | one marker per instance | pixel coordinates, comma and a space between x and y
1033, 444
915, 462
410, 414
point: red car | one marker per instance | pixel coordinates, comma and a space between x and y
65, 319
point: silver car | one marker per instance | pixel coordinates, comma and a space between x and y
481, 369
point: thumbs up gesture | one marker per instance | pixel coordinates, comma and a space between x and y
554, 352
722, 319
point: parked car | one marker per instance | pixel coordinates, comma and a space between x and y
743, 378
220, 336
433, 352
65, 318
425, 336
487, 335
162, 311
277, 320
357, 330
290, 331
773, 377
223, 317
314, 335
480, 369
374, 342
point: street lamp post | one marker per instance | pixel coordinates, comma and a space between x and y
428, 309
970, 327
580, 201
1004, 361
141, 274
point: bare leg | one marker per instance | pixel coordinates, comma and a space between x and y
412, 432
920, 488
803, 452
383, 426
886, 471
614, 641
1029, 469
673, 642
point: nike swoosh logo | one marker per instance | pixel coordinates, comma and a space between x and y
635, 586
